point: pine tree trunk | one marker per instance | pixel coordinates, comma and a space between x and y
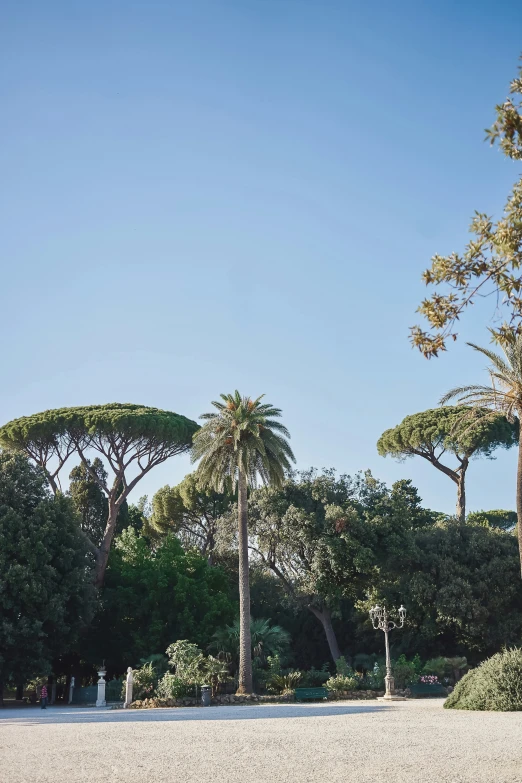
461, 493
103, 553
519, 496
245, 684
325, 618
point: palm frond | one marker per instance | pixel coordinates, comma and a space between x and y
242, 436
504, 394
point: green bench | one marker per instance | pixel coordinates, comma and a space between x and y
425, 690
303, 694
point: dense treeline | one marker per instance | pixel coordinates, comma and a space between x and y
323, 548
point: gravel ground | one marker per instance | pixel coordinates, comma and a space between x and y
360, 742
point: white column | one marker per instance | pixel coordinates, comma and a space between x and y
128, 688
100, 701
71, 689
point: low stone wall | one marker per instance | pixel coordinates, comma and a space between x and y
284, 698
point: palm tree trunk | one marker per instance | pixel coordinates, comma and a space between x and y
519, 496
245, 684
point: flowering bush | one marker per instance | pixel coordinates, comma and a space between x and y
429, 679
187, 659
172, 687
342, 682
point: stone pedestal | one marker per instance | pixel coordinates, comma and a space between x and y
100, 701
390, 690
128, 688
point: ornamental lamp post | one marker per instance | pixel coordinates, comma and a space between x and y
381, 622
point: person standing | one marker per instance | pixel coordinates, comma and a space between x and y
43, 697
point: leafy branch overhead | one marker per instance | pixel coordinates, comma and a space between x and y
490, 263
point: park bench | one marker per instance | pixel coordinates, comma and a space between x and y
425, 690
302, 694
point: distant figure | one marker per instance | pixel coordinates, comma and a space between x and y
43, 697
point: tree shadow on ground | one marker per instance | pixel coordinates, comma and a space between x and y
34, 716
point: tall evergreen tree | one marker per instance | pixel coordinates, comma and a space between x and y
46, 593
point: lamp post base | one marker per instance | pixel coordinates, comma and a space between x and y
391, 697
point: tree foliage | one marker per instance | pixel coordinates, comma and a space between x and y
128, 437
499, 518
490, 263
242, 438
191, 512
45, 591
326, 537
459, 583
88, 499
450, 430
433, 432
153, 595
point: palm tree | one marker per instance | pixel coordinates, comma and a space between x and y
239, 444
503, 395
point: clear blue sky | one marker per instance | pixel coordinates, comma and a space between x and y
206, 195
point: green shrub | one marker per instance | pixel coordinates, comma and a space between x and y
215, 671
284, 682
404, 672
494, 685
159, 662
172, 687
145, 681
342, 682
342, 668
187, 660
345, 678
417, 663
274, 665
373, 680
315, 678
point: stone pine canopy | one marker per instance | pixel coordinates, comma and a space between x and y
67, 428
449, 428
128, 436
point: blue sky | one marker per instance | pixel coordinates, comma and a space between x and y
217, 194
